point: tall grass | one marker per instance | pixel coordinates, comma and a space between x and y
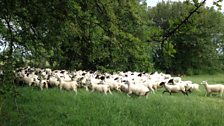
55, 107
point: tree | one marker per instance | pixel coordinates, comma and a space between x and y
191, 41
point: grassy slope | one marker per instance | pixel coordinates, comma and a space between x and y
54, 107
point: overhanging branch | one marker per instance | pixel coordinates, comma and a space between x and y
169, 33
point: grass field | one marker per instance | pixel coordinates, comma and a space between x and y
55, 107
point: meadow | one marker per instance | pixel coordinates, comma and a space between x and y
55, 107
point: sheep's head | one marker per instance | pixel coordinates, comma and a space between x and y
162, 84
170, 81
204, 82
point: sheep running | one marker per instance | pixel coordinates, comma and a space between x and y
174, 88
138, 83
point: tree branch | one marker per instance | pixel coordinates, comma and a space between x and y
169, 33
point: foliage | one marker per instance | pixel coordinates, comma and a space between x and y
197, 39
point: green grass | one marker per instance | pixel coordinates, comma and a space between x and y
55, 107
216, 78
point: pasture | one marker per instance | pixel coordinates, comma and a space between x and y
55, 107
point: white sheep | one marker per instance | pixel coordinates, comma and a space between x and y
192, 87
114, 83
173, 88
43, 83
68, 85
53, 81
124, 87
137, 89
210, 88
101, 88
29, 78
149, 85
83, 82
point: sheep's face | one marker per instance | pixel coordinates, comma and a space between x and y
204, 82
162, 84
171, 81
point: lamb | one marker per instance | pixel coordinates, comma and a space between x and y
138, 89
210, 88
113, 83
83, 82
29, 78
124, 87
43, 83
149, 85
100, 87
68, 85
155, 83
192, 87
53, 81
176, 80
173, 88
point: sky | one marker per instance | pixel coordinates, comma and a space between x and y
209, 3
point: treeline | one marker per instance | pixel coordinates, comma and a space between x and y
111, 35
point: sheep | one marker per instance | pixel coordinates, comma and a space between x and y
68, 85
53, 81
82, 81
100, 87
210, 88
137, 89
124, 87
192, 87
43, 83
113, 83
149, 85
176, 80
29, 78
173, 88
155, 83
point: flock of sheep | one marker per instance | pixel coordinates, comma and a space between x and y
137, 83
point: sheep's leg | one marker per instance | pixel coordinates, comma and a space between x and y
151, 89
221, 94
184, 92
128, 94
165, 91
30, 83
75, 91
155, 87
118, 89
105, 92
60, 87
109, 91
146, 94
41, 87
86, 88
206, 94
46, 86
32, 88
